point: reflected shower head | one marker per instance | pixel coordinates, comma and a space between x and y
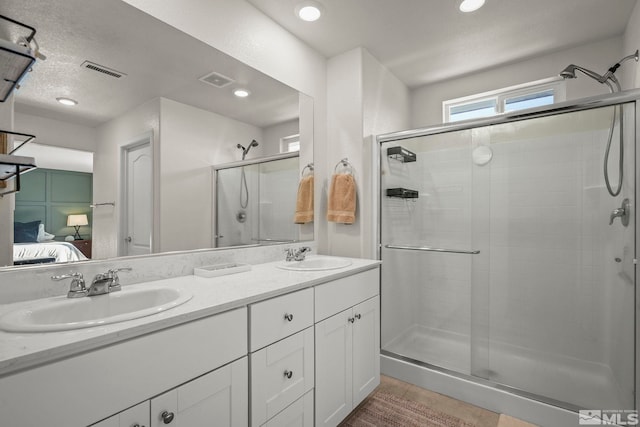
254, 143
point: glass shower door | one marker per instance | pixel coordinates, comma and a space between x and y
555, 294
505, 266
427, 252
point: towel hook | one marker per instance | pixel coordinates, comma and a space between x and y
309, 166
345, 164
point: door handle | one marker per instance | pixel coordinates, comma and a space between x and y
128, 239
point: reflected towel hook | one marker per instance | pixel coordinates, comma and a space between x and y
310, 167
345, 164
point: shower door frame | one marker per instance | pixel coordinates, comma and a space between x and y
619, 98
231, 165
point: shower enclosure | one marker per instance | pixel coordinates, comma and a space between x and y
255, 201
500, 264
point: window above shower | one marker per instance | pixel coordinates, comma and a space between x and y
512, 98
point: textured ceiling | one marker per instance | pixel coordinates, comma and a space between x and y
424, 41
158, 60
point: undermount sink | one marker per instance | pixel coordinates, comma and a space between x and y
60, 314
315, 263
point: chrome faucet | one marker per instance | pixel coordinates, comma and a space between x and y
77, 288
623, 212
103, 283
297, 254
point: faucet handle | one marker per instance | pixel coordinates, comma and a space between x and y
113, 274
77, 288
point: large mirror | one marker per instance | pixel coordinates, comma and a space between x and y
129, 169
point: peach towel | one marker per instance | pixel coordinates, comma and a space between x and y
342, 199
304, 202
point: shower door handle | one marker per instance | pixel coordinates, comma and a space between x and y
430, 249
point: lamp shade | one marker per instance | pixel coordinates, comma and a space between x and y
77, 220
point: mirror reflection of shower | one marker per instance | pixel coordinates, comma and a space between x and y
244, 189
613, 84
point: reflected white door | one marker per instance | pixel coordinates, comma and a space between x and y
137, 224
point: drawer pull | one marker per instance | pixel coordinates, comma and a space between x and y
288, 317
288, 374
358, 316
167, 417
137, 425
352, 319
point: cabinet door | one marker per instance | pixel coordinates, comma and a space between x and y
136, 416
366, 349
280, 374
333, 368
217, 399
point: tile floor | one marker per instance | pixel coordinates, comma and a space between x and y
479, 417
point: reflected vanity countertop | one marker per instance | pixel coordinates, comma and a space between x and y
210, 296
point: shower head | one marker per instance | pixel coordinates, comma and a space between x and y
607, 79
254, 143
570, 73
567, 73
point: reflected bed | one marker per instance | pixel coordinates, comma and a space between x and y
43, 252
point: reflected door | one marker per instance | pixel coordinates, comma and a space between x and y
137, 225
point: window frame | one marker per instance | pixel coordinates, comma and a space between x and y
286, 143
500, 96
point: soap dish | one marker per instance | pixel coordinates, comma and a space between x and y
220, 269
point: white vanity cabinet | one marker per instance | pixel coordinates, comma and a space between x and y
217, 399
138, 416
347, 345
282, 359
95, 385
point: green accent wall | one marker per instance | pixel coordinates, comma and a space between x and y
50, 195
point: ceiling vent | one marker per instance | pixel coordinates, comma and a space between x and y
102, 69
216, 79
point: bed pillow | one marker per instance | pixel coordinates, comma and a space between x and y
43, 236
26, 232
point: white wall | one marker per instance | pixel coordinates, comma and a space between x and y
57, 133
631, 42
273, 134
363, 99
192, 141
112, 136
426, 101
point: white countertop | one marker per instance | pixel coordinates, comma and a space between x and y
210, 296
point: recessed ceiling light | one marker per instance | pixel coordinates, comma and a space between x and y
67, 101
309, 11
470, 5
241, 93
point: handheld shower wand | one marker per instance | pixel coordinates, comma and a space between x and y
613, 84
244, 188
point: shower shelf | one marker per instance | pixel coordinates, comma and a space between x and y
402, 193
401, 154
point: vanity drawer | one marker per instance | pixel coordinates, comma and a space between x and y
298, 414
279, 317
281, 374
338, 295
